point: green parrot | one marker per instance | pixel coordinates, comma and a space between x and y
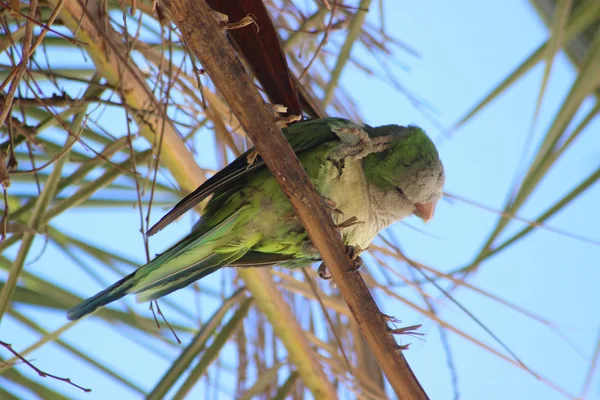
370, 176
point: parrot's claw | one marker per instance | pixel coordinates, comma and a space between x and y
354, 253
366, 145
358, 263
322, 272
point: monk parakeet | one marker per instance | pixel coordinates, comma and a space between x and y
371, 176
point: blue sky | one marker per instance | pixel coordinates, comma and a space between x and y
466, 49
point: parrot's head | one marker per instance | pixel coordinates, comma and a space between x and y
411, 166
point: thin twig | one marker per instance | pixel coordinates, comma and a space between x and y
321, 43
41, 373
167, 322
527, 222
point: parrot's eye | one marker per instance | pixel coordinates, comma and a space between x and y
400, 191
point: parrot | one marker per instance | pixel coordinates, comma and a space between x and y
368, 178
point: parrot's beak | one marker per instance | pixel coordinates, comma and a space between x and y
425, 211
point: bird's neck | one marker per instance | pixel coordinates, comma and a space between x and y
374, 170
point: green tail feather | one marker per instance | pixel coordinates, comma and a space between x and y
186, 276
174, 269
157, 289
108, 295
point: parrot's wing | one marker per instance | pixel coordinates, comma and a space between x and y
258, 259
302, 136
195, 257
228, 175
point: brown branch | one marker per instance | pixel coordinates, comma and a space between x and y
58, 100
19, 70
208, 42
45, 27
4, 182
41, 373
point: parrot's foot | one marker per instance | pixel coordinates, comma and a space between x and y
354, 253
357, 262
365, 146
322, 272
